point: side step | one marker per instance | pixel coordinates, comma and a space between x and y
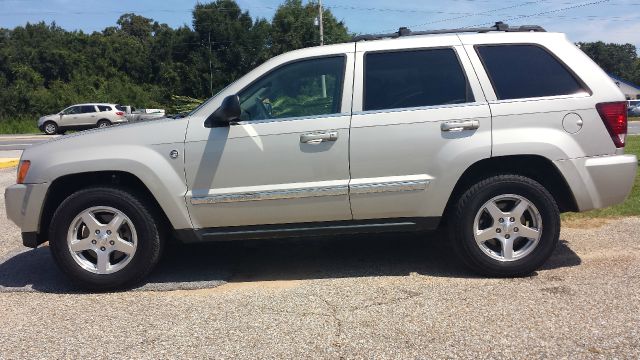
307, 229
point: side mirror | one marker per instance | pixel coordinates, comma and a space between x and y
228, 112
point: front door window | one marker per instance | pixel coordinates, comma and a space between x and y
303, 88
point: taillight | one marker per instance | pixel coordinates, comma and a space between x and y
119, 113
614, 116
23, 169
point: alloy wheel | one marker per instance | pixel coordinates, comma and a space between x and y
507, 227
102, 240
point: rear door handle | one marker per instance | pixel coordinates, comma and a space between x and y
460, 125
315, 138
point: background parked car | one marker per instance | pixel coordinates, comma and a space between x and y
82, 116
134, 114
633, 110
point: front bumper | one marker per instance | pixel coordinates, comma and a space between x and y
24, 206
599, 181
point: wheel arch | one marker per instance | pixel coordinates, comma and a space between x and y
68, 184
535, 167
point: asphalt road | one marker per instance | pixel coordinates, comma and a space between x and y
21, 142
392, 296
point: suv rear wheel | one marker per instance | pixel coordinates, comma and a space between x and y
104, 123
104, 238
506, 225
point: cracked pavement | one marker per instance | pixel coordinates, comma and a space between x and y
367, 296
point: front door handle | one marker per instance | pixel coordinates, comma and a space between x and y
315, 138
460, 125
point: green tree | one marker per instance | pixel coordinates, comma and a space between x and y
293, 27
44, 68
617, 59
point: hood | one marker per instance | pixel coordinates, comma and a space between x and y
42, 119
143, 133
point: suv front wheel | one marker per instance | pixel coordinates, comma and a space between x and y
50, 128
505, 225
104, 238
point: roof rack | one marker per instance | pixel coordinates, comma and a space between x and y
403, 31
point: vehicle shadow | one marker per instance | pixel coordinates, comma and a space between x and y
212, 264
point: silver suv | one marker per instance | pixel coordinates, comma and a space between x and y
82, 116
492, 132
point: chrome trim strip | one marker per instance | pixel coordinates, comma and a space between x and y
367, 188
271, 195
419, 108
389, 186
294, 118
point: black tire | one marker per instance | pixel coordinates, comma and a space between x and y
461, 225
146, 255
50, 128
103, 123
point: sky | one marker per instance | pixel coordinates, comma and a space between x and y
615, 21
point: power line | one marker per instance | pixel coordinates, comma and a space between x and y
466, 16
547, 12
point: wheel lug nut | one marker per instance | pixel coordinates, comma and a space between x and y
93, 242
103, 248
498, 231
507, 236
97, 231
112, 242
501, 220
515, 229
512, 219
108, 232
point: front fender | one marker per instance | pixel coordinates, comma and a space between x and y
142, 151
163, 176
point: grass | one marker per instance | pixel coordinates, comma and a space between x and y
25, 125
629, 207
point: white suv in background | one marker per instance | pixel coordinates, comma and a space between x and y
82, 116
490, 132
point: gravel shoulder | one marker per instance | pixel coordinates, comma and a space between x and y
384, 296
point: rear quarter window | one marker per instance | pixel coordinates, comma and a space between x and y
104, 108
526, 71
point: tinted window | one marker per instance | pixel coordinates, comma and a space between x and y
524, 71
122, 108
87, 109
304, 88
71, 110
414, 78
104, 108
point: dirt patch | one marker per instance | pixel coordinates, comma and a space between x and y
590, 223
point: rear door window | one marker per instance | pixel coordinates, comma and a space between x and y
104, 108
415, 78
84, 109
526, 71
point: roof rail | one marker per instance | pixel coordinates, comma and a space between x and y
403, 31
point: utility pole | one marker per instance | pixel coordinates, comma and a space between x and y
324, 78
320, 22
210, 67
